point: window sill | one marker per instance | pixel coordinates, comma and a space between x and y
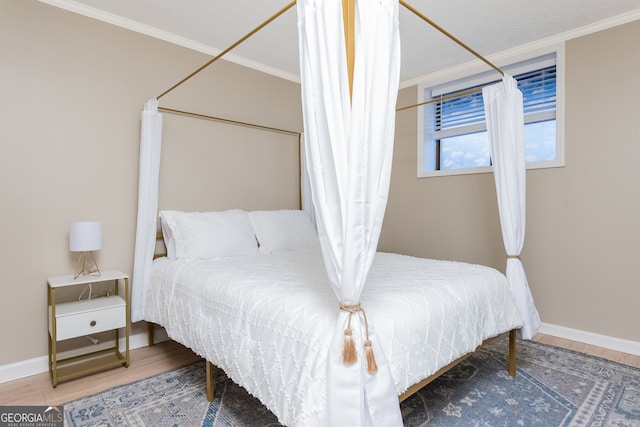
487, 169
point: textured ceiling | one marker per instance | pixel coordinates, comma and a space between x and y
487, 26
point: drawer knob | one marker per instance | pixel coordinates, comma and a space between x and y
92, 323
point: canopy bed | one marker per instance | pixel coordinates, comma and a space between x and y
328, 331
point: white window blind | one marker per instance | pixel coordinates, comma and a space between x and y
464, 114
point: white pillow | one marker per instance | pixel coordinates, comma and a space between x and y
167, 234
206, 235
283, 230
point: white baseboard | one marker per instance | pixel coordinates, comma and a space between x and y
38, 365
605, 341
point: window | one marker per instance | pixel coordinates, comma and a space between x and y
455, 135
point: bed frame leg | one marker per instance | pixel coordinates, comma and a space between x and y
211, 380
512, 353
150, 339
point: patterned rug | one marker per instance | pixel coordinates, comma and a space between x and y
553, 387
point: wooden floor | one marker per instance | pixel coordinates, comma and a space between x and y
144, 362
605, 353
148, 361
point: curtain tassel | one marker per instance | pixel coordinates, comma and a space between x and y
349, 354
372, 367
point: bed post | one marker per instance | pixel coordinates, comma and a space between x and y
512, 353
150, 339
211, 383
349, 22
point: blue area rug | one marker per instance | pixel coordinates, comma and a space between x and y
553, 387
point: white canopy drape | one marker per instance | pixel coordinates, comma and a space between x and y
349, 147
505, 125
148, 176
305, 185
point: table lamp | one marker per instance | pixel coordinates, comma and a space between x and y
85, 237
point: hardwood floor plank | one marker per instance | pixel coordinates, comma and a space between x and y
145, 362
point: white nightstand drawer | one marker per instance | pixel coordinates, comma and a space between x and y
87, 317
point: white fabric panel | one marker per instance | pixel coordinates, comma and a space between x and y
349, 152
148, 176
505, 126
267, 320
305, 185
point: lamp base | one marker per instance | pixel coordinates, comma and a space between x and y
86, 268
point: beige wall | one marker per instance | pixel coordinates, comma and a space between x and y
583, 220
72, 92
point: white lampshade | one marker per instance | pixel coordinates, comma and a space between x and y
85, 236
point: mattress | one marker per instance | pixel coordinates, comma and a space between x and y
267, 319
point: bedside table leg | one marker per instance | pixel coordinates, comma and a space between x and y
128, 320
52, 367
53, 350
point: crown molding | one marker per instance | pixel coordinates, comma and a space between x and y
129, 24
542, 45
110, 18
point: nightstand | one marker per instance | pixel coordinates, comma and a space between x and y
85, 317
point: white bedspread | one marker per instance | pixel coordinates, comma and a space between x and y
266, 320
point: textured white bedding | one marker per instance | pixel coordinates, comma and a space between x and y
266, 319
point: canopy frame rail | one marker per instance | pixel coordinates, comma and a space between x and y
440, 99
459, 42
229, 121
451, 36
230, 48
349, 25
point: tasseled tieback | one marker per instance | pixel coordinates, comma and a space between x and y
349, 354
